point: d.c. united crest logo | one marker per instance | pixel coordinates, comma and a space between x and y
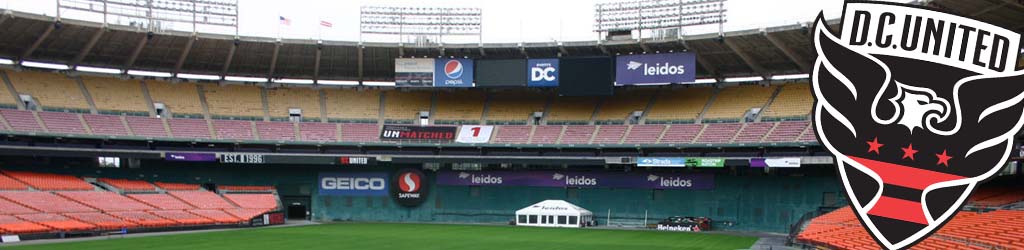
917, 106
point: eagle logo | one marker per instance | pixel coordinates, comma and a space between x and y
914, 129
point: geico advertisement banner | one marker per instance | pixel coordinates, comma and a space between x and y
577, 179
655, 69
353, 184
453, 73
474, 134
542, 73
414, 72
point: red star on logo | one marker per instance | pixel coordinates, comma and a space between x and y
943, 158
908, 152
873, 146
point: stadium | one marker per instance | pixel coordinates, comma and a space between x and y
121, 130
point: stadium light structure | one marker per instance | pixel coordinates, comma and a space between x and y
5, 61
293, 81
626, 16
420, 21
338, 83
98, 70
244, 79
791, 77
43, 65
150, 73
154, 15
198, 77
745, 79
378, 84
705, 81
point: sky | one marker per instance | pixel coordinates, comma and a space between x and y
503, 21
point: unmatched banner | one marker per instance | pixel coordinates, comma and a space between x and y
578, 179
680, 162
542, 72
353, 184
474, 134
410, 132
655, 69
196, 157
414, 72
453, 73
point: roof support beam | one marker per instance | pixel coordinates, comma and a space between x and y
360, 57
712, 70
39, 41
88, 46
227, 61
522, 50
316, 62
753, 64
786, 50
644, 47
604, 50
138, 50
562, 49
184, 53
273, 60
482, 52
4, 17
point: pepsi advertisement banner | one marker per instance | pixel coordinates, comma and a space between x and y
655, 69
453, 73
578, 179
542, 73
353, 184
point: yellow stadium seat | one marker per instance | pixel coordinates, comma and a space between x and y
732, 102
793, 101
279, 100
235, 101
52, 91
401, 106
679, 105
352, 105
113, 95
462, 107
181, 99
514, 106
618, 107
571, 110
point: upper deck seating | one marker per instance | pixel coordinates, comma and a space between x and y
180, 99
106, 125
146, 126
234, 101
65, 123
514, 106
246, 188
352, 105
319, 132
276, 131
190, 128
22, 121
678, 105
644, 134
405, 106
732, 103
280, 100
115, 96
462, 107
53, 92
620, 106
793, 101
571, 110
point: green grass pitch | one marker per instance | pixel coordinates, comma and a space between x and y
373, 236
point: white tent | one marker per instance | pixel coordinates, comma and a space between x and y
553, 213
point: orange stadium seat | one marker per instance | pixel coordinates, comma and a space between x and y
8, 183
161, 201
202, 199
45, 202
246, 188
245, 214
219, 216
101, 220
9, 207
104, 201
258, 201
56, 221
143, 219
129, 185
50, 181
182, 217
14, 225
177, 186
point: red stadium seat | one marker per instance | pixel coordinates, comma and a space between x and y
129, 185
219, 216
177, 186
257, 201
143, 219
202, 199
161, 201
105, 201
45, 202
57, 222
101, 220
8, 183
182, 217
13, 225
50, 182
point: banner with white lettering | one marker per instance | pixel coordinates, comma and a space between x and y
353, 184
474, 134
793, 162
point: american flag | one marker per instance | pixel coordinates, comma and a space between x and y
284, 20
326, 24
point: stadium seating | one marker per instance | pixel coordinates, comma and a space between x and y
681, 133
143, 219
8, 183
45, 202
7, 100
161, 201
245, 188
462, 107
190, 128
405, 106
219, 216
23, 121
276, 131
56, 221
754, 132
279, 100
233, 130
996, 197
546, 134
793, 101
101, 220
618, 107
678, 105
52, 91
147, 127
644, 134
128, 185
808, 135
9, 207
13, 225
65, 123
320, 132
177, 186
104, 201
115, 96
182, 217
50, 182
352, 105
787, 131
514, 106
731, 103
256, 201
512, 134
244, 214
201, 199
360, 132
577, 134
181, 99
234, 101
609, 134
719, 132
571, 110
106, 125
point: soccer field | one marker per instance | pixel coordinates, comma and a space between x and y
372, 236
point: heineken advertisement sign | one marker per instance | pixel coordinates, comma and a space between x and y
679, 162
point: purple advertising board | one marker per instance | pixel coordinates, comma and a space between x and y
577, 179
757, 163
655, 69
197, 157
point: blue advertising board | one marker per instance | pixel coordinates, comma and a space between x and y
542, 72
453, 73
353, 184
655, 69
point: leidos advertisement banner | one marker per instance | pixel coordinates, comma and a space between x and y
414, 72
577, 179
542, 72
453, 73
655, 69
353, 184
